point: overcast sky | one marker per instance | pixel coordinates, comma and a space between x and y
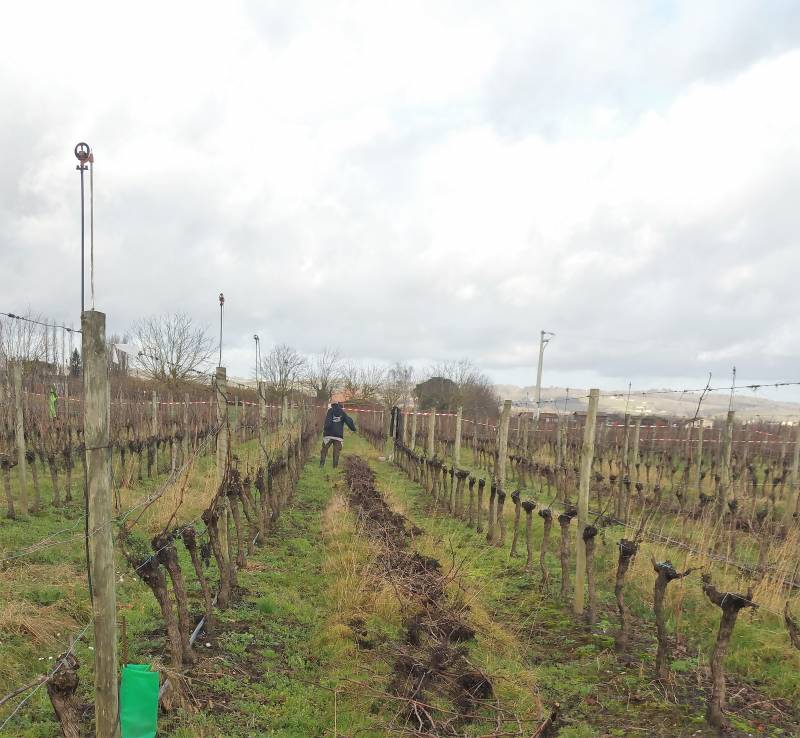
420, 181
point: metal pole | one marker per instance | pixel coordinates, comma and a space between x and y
83, 154
221, 305
542, 344
83, 268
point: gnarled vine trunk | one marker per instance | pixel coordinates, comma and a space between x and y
730, 603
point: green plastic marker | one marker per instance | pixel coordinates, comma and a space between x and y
138, 701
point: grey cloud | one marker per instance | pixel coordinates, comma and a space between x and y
356, 263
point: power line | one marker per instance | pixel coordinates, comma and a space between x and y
39, 322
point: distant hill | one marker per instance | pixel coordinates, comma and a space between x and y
656, 402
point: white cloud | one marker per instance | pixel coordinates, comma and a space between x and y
419, 180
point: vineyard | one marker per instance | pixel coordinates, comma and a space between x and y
508, 574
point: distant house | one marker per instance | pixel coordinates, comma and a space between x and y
701, 423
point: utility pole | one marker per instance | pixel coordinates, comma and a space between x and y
544, 339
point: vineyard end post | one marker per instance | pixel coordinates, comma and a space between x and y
97, 435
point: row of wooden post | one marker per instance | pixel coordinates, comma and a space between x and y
587, 457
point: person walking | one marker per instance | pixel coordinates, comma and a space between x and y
333, 432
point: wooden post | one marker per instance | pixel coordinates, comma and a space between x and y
185, 442
223, 430
725, 471
262, 427
698, 470
633, 459
526, 426
19, 432
284, 426
154, 417
430, 448
154, 429
413, 444
457, 444
173, 429
559, 446
237, 420
502, 445
623, 471
587, 456
97, 436
794, 481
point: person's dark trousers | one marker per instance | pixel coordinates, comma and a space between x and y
337, 447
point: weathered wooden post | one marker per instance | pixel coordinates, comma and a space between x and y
725, 471
793, 500
413, 444
19, 432
285, 432
185, 440
526, 426
457, 443
699, 470
262, 428
154, 414
223, 433
633, 459
173, 430
97, 437
502, 445
623, 471
430, 445
237, 421
587, 456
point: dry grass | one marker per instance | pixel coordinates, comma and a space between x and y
44, 625
356, 585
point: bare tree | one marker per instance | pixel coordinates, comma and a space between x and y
20, 339
462, 372
323, 374
398, 385
473, 389
282, 368
351, 379
172, 347
371, 380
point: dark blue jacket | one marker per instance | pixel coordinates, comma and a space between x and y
336, 420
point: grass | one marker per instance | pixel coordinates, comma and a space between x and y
309, 648
44, 595
576, 666
760, 652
